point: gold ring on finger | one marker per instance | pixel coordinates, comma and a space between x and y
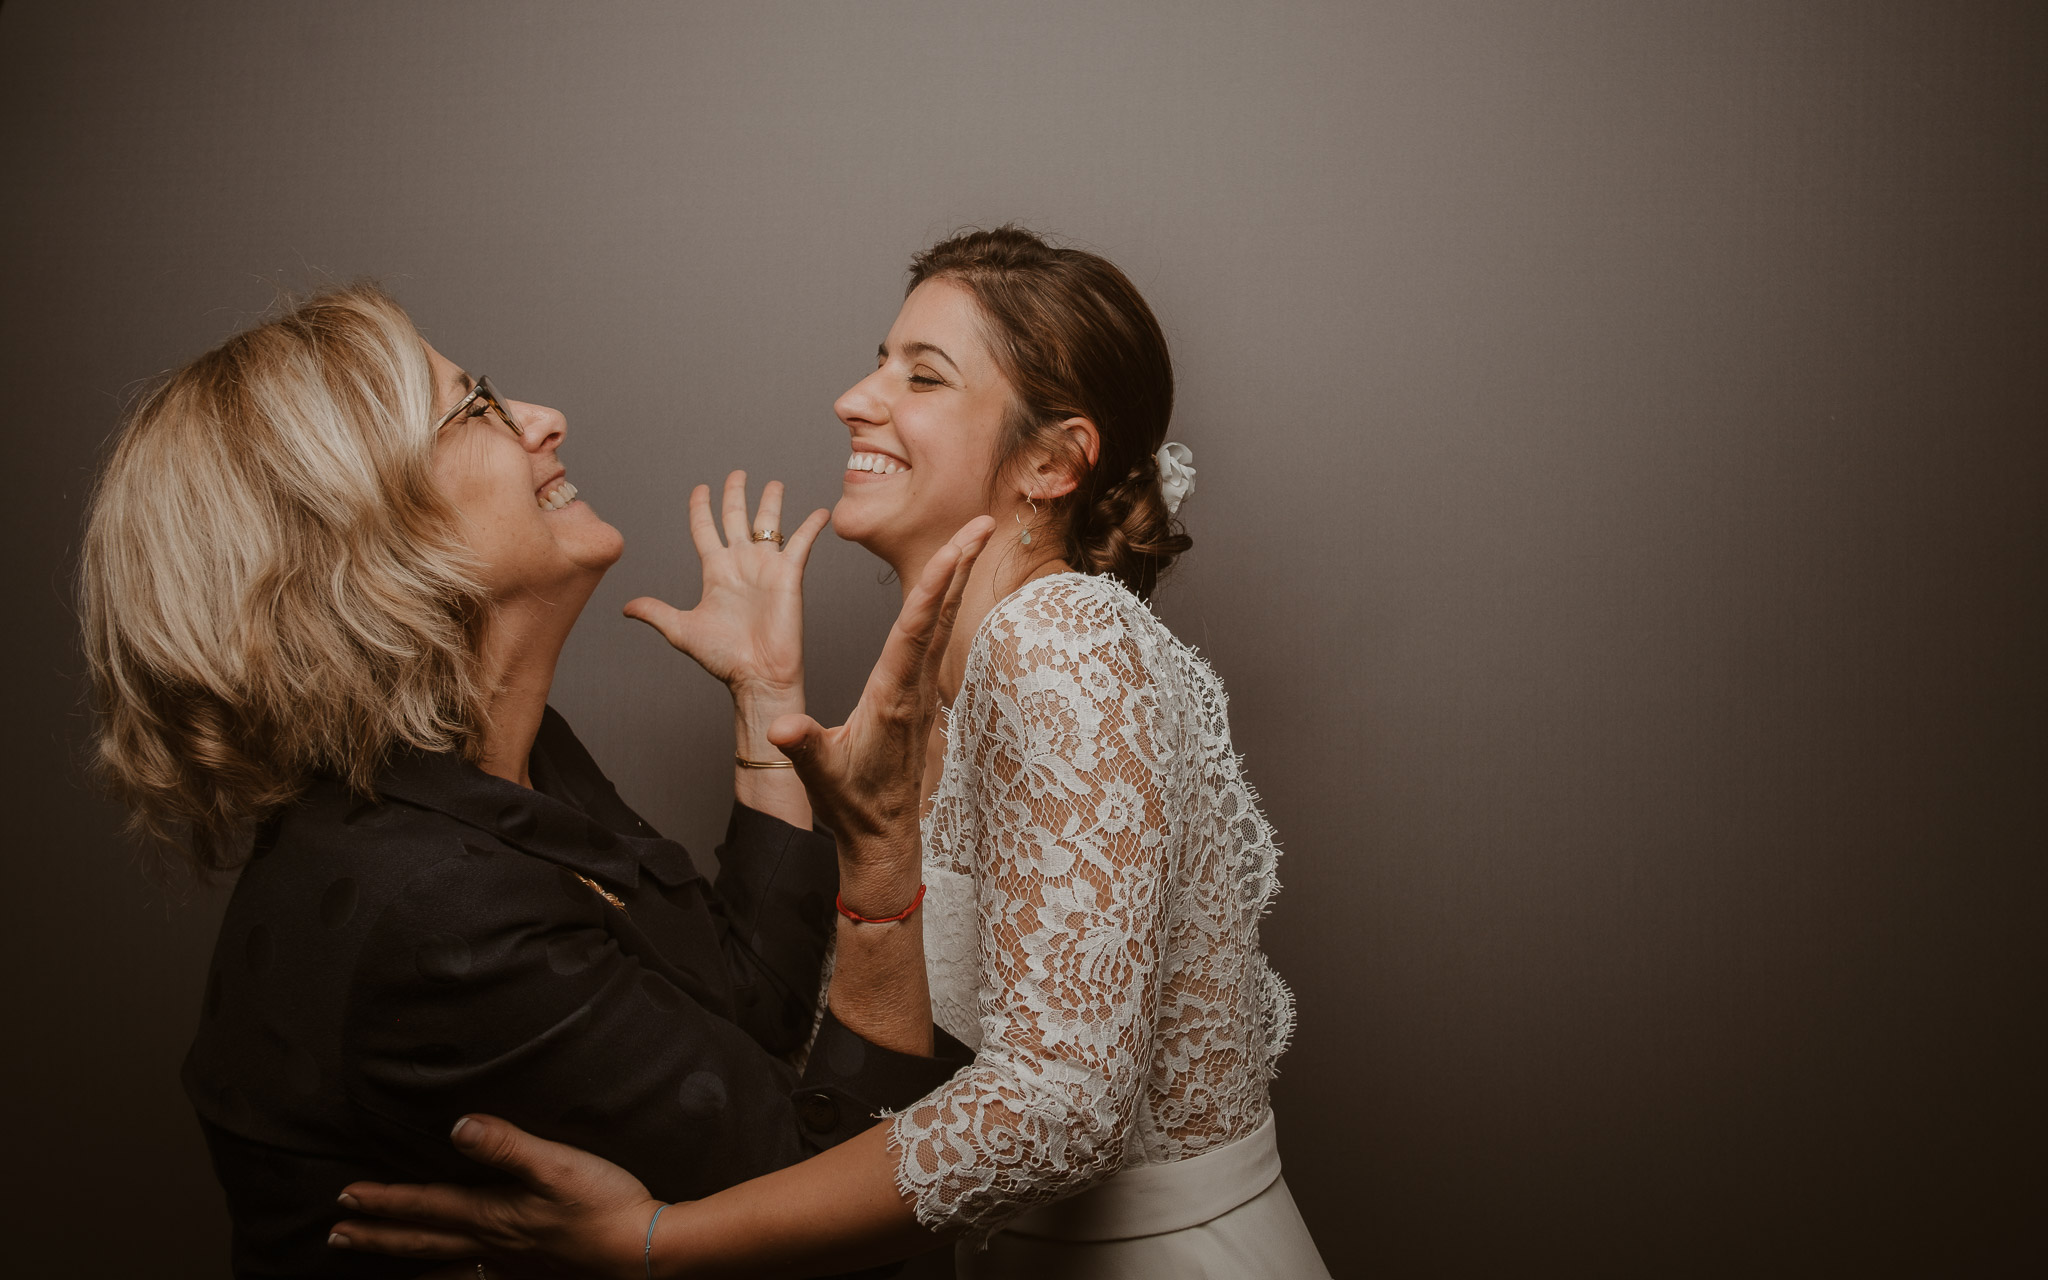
768, 535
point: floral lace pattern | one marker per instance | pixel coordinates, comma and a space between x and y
1097, 868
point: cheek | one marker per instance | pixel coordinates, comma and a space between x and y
494, 510
952, 478
953, 454
472, 476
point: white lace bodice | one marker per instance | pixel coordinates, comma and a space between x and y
1097, 866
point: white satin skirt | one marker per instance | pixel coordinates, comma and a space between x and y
1222, 1215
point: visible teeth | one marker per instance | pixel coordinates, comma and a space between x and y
880, 464
558, 497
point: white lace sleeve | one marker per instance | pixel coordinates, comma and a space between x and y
1067, 774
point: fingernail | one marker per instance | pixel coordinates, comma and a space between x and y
348, 1201
456, 1132
337, 1241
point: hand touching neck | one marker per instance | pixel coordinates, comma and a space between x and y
1004, 566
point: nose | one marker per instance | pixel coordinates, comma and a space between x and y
540, 428
862, 403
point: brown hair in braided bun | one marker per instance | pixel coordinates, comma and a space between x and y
1075, 339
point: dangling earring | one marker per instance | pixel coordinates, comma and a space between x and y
1026, 539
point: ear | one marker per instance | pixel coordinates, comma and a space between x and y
1057, 473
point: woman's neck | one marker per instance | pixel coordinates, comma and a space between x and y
1005, 566
521, 646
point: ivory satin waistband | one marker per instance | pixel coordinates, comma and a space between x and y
1148, 1199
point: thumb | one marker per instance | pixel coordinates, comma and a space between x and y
646, 608
541, 1165
659, 614
796, 736
807, 744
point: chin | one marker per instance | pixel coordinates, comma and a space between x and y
871, 540
598, 548
608, 557
852, 523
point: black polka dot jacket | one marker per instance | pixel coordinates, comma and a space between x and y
461, 943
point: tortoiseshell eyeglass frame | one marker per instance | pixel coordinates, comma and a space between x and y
468, 406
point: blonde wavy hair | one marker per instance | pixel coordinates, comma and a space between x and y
272, 587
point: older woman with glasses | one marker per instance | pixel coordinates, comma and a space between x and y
326, 581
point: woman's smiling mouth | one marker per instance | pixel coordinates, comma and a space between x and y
880, 464
557, 495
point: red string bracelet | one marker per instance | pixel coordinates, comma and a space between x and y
857, 918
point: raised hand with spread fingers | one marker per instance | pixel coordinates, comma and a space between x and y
865, 777
747, 629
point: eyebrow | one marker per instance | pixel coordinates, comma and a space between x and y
463, 384
919, 349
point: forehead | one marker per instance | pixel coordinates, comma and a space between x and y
945, 315
450, 382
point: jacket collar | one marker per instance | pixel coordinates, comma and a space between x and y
570, 824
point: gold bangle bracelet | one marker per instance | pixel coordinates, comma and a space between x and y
745, 763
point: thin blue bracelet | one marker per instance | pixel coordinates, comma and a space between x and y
647, 1254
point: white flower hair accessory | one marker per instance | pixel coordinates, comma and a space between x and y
1176, 474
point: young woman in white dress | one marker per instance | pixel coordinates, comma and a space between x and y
1094, 864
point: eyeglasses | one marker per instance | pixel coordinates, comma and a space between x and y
481, 397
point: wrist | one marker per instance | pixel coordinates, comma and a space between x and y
624, 1252
898, 917
878, 891
879, 990
753, 712
762, 700
689, 1245
642, 1263
765, 787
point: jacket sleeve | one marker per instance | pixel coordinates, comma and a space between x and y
771, 918
770, 913
496, 983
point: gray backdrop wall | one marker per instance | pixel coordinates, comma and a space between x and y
1621, 529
